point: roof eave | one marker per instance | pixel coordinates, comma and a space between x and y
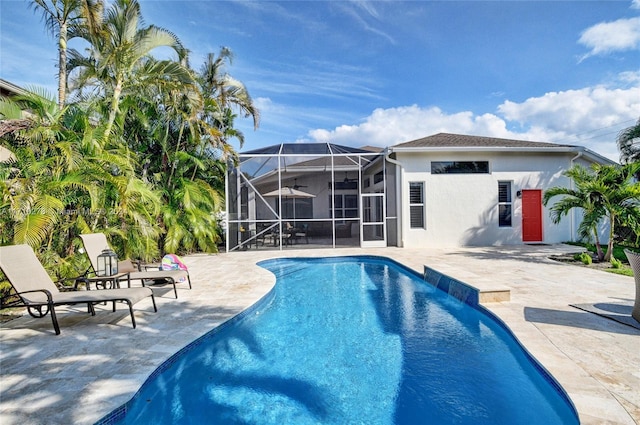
12, 88
561, 149
596, 157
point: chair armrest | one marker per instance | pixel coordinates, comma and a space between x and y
46, 292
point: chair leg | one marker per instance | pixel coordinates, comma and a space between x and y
153, 300
54, 319
175, 289
133, 318
189, 280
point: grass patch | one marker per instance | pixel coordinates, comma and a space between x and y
618, 250
624, 270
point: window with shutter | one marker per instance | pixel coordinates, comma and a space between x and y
504, 204
416, 205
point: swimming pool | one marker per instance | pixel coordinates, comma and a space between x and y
352, 340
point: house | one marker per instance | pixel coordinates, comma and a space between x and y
458, 190
8, 90
442, 190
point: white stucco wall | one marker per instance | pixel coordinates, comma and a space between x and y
462, 209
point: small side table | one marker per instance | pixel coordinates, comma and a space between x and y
108, 282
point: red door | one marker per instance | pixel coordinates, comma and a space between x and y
532, 216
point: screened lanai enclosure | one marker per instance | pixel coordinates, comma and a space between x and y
310, 195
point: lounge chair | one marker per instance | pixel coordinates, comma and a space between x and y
634, 261
95, 243
37, 291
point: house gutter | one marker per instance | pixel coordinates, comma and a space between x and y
399, 183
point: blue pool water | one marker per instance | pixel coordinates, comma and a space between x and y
352, 340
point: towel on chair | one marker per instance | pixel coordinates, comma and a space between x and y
173, 262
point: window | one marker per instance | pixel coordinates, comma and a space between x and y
345, 206
504, 204
416, 205
344, 185
459, 167
294, 208
378, 177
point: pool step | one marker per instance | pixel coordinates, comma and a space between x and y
463, 291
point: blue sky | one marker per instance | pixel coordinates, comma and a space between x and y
384, 72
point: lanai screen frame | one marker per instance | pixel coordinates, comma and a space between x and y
288, 156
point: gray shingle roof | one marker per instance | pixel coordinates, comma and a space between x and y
447, 140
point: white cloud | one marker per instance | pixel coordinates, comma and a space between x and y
589, 117
632, 77
385, 127
635, 4
608, 37
364, 12
573, 110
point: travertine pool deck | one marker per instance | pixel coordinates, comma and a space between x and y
98, 363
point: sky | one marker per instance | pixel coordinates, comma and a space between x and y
380, 73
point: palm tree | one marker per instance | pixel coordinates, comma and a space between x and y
48, 185
629, 144
62, 17
62, 183
620, 196
604, 192
158, 188
223, 93
179, 162
119, 59
180, 134
580, 197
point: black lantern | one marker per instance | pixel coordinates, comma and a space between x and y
107, 263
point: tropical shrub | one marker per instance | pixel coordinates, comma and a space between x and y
138, 149
584, 257
615, 263
605, 194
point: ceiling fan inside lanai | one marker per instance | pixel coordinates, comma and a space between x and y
347, 179
297, 186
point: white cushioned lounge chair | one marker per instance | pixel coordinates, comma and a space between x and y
39, 293
95, 243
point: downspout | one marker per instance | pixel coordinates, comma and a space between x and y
399, 182
573, 210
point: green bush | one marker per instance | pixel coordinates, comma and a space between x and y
584, 257
615, 263
5, 288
